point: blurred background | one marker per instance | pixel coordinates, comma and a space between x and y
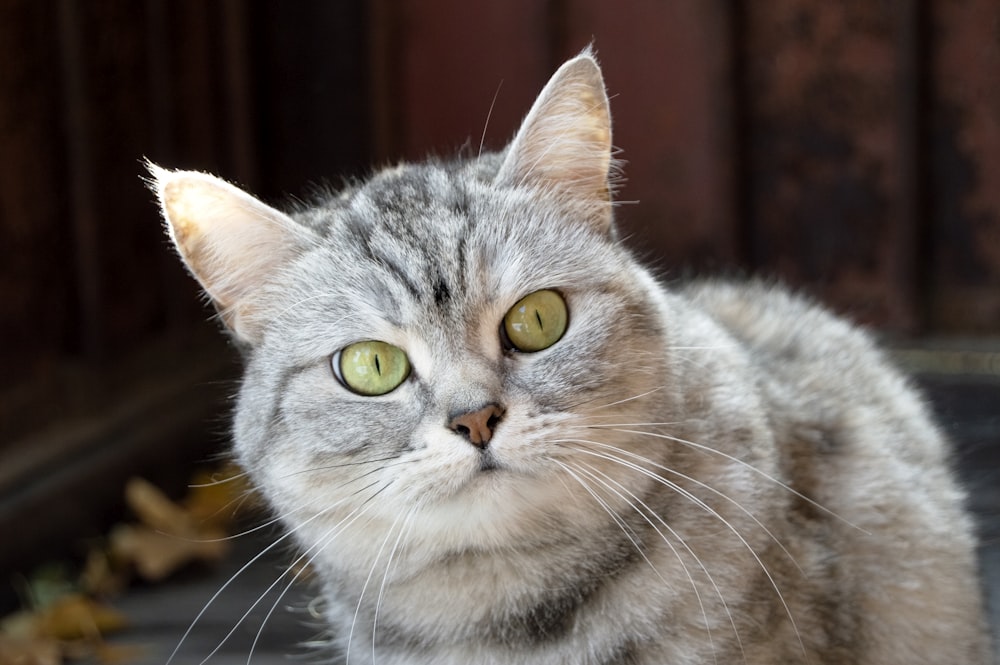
850, 148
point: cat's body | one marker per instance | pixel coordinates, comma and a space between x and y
720, 474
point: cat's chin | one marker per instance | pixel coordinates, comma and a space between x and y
497, 505
488, 464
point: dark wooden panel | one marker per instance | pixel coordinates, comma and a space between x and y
829, 149
667, 66
310, 92
65, 482
964, 165
87, 280
36, 291
104, 57
447, 61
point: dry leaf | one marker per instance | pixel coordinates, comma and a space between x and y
70, 627
156, 555
67, 625
29, 651
215, 497
170, 538
156, 510
77, 617
100, 577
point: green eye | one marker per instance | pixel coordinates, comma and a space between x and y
371, 368
537, 321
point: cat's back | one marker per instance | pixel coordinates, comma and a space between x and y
817, 369
857, 440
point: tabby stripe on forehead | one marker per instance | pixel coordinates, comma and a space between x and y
442, 294
402, 277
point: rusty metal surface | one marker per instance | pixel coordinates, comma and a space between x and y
36, 294
964, 165
459, 73
667, 66
825, 171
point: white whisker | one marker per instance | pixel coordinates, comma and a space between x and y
701, 504
407, 523
604, 480
321, 544
623, 401
364, 588
317, 546
731, 458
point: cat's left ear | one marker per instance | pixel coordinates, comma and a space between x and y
564, 142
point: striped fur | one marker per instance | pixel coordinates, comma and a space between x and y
718, 474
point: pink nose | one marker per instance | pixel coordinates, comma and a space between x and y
477, 426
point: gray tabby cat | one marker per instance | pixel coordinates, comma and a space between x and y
498, 439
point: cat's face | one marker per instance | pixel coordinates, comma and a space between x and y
441, 339
436, 291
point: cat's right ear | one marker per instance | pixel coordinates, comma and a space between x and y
564, 143
231, 242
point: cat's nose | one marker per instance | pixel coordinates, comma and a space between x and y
477, 426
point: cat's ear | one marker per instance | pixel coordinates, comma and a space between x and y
232, 243
565, 140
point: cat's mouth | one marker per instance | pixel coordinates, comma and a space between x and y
488, 463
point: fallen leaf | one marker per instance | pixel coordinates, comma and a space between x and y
77, 617
100, 577
156, 555
169, 538
29, 651
70, 627
156, 510
215, 497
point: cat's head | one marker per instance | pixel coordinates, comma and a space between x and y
444, 337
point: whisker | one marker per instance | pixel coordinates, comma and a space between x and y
737, 460
684, 544
220, 481
489, 114
320, 545
407, 522
343, 465
697, 482
627, 399
364, 587
225, 585
286, 535
704, 506
613, 515
597, 476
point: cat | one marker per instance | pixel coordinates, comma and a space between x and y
498, 439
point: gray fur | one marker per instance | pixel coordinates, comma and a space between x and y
720, 474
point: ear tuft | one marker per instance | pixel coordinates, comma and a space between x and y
565, 140
231, 242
